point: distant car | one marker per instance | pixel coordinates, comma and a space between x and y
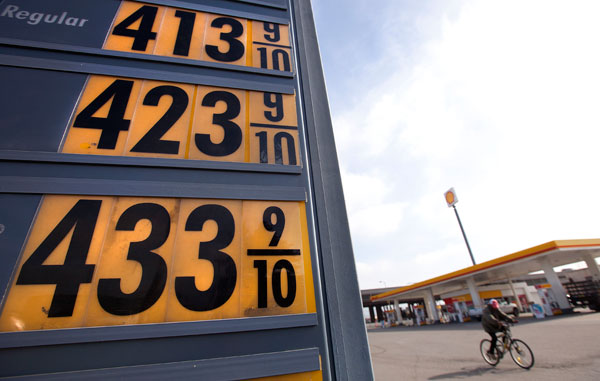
507, 308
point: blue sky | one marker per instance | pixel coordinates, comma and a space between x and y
500, 100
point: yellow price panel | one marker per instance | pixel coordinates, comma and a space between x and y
53, 285
100, 261
272, 264
136, 26
181, 34
103, 116
204, 274
219, 128
273, 128
271, 47
174, 32
134, 117
161, 120
131, 272
225, 40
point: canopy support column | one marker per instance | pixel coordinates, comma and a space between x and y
379, 311
474, 293
397, 309
557, 288
372, 314
512, 287
430, 305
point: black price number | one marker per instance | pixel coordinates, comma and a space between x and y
225, 272
146, 14
74, 271
236, 47
154, 268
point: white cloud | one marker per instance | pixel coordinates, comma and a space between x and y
433, 257
370, 212
400, 270
499, 100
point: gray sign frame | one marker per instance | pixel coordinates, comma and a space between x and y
218, 350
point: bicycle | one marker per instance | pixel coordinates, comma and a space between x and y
519, 350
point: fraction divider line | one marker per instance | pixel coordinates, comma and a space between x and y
267, 44
273, 126
259, 252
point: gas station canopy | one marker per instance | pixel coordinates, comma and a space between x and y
557, 253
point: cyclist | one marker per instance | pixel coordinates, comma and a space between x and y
491, 321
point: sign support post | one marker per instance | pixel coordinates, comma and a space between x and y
451, 200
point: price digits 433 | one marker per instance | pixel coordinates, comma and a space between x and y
82, 218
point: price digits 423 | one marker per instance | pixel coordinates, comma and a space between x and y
115, 107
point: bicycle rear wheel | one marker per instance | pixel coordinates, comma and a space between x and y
521, 354
484, 347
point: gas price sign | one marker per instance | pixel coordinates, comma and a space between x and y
131, 117
172, 32
165, 185
92, 261
153, 30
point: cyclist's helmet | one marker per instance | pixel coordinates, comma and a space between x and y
494, 303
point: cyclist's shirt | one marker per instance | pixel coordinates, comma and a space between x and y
491, 319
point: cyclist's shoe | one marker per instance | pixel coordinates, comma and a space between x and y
492, 356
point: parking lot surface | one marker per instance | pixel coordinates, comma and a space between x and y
566, 347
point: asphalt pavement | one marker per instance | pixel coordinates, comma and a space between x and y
566, 347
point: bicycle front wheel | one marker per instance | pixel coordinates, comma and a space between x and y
485, 347
521, 354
